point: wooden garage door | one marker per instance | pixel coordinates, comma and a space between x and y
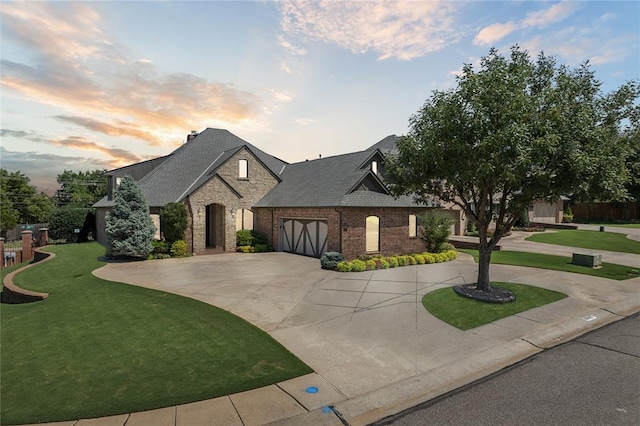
304, 236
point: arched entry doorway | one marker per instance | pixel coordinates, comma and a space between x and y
215, 226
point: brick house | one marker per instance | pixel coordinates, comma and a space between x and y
338, 203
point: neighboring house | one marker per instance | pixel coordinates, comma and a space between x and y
338, 203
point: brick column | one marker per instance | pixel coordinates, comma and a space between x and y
43, 237
27, 250
1, 253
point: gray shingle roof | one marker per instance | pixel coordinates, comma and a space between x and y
387, 144
332, 182
194, 163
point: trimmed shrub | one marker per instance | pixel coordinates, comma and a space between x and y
244, 238
402, 261
258, 238
437, 228
419, 259
429, 258
344, 266
330, 259
412, 260
160, 247
371, 265
173, 221
393, 262
358, 266
447, 247
440, 257
179, 248
261, 248
453, 254
245, 249
384, 264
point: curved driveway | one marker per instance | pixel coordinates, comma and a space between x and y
365, 331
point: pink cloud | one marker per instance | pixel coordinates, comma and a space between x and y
74, 66
493, 33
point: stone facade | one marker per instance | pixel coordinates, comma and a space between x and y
347, 228
215, 204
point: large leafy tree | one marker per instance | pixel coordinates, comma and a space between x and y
20, 201
129, 226
511, 132
81, 189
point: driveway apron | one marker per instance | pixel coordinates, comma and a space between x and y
363, 331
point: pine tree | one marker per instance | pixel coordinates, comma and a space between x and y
129, 227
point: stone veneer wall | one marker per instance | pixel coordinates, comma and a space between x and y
347, 228
215, 191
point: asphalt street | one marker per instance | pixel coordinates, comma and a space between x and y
591, 380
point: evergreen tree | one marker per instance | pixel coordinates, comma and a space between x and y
129, 229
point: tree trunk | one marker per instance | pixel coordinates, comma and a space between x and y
484, 261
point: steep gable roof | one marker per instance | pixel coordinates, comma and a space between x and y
342, 180
386, 145
194, 163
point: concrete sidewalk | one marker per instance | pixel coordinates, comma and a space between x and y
374, 348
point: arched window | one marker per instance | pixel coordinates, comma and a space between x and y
243, 169
244, 219
413, 226
373, 233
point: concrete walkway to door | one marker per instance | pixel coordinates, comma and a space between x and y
366, 335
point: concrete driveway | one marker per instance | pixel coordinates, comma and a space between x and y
364, 331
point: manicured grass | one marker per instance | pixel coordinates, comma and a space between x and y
464, 313
588, 239
557, 263
619, 225
95, 348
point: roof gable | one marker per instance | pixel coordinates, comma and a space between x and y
191, 165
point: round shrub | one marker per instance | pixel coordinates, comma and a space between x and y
429, 258
245, 249
179, 249
244, 237
451, 254
393, 262
358, 266
412, 260
440, 257
447, 247
261, 248
419, 259
344, 266
371, 264
330, 259
384, 264
402, 261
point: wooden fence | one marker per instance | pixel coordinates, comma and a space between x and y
609, 212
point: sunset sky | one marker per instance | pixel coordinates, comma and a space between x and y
88, 85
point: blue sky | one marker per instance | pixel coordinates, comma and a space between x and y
88, 85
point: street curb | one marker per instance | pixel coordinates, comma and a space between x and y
389, 400
393, 399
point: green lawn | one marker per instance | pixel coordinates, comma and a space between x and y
557, 263
619, 225
96, 348
588, 239
464, 313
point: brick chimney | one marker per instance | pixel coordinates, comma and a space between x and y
192, 135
